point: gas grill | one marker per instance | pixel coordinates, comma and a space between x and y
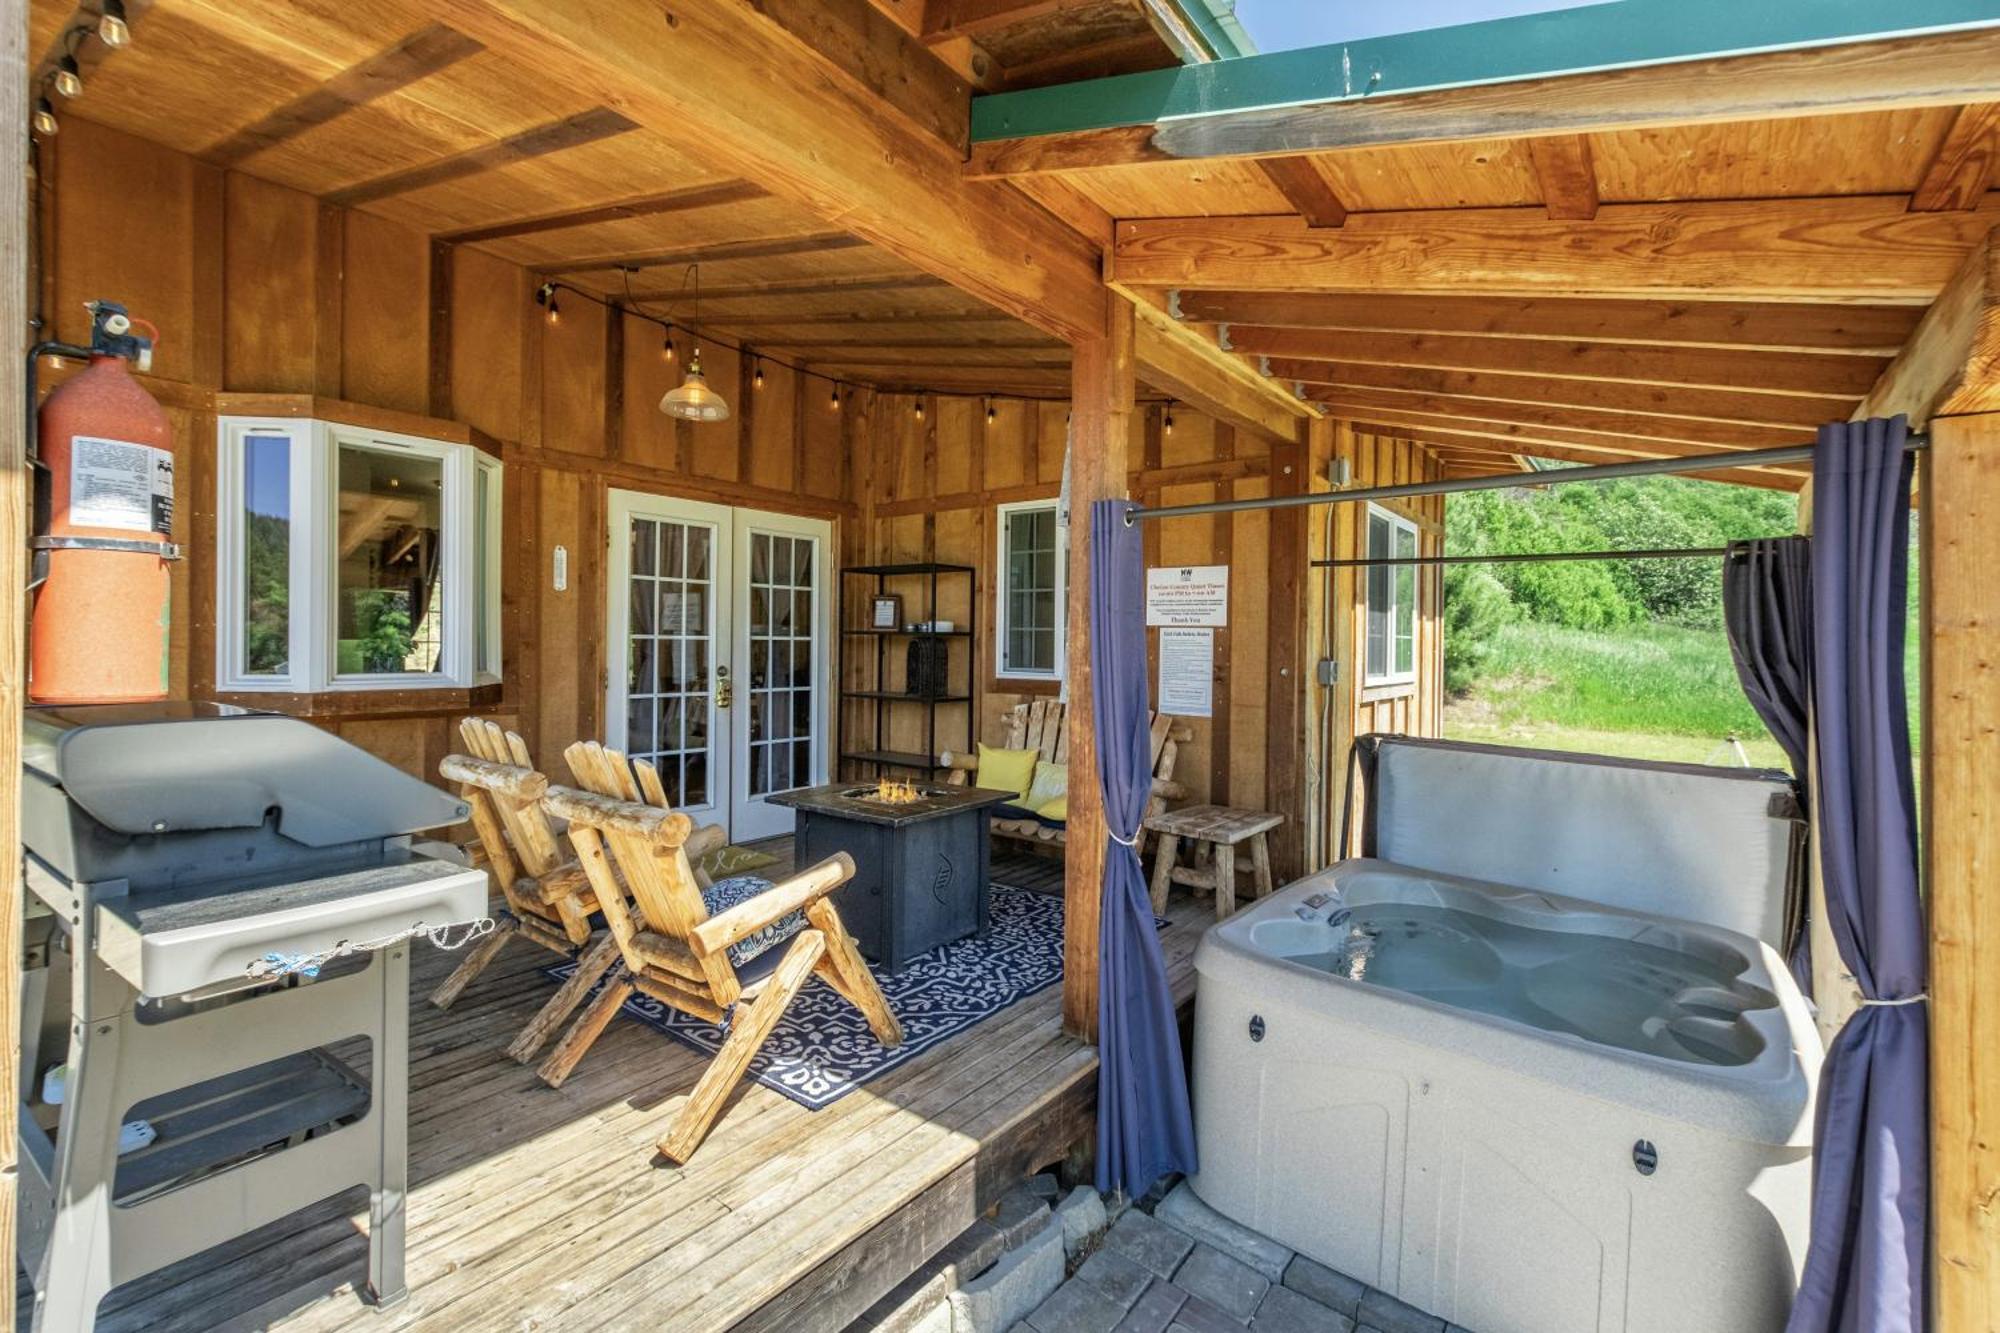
233, 895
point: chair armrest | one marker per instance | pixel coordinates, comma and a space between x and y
963, 763
1169, 790
780, 900
649, 823
704, 840
510, 780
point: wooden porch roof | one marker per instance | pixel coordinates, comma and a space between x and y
1528, 269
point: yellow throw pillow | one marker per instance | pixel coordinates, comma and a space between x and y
1051, 781
1005, 770
1057, 810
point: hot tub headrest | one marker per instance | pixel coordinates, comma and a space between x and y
1699, 843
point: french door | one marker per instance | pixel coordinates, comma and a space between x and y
718, 625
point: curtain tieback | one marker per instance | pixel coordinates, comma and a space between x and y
1132, 842
1919, 998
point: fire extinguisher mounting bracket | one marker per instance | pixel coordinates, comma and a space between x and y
163, 550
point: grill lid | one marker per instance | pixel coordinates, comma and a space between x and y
176, 767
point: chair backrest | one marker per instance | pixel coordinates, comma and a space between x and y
624, 828
504, 790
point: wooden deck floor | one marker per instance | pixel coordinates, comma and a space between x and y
539, 1208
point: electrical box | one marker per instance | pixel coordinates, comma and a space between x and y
1328, 671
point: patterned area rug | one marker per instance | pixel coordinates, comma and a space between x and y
822, 1049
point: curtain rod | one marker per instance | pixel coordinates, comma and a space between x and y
1526, 557
1562, 476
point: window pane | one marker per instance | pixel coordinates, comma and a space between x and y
1028, 597
389, 608
267, 555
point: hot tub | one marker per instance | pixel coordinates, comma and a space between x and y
1524, 1112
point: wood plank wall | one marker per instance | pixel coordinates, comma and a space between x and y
257, 288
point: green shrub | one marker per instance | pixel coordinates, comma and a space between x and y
1476, 605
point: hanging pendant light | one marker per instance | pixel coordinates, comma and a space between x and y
694, 400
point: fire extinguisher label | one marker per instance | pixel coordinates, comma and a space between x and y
118, 484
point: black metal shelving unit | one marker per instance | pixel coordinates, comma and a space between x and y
875, 581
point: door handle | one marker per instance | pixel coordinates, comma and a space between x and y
723, 693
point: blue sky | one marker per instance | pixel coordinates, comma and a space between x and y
1286, 25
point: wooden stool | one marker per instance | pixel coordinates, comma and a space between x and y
1221, 828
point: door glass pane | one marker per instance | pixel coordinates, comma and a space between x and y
389, 611
780, 680
267, 555
668, 636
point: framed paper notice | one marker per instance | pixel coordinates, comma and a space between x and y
887, 612
1187, 672
1189, 595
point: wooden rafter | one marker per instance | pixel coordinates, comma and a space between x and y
1962, 168
807, 287
1858, 248
639, 206
1567, 176
417, 56
1306, 188
862, 319
570, 132
720, 252
1430, 408
1792, 411
1780, 326
1698, 367
1471, 441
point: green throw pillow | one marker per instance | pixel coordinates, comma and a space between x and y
1005, 770
1056, 810
1051, 781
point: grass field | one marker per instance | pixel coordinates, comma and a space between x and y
1643, 691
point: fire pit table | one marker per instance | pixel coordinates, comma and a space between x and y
920, 860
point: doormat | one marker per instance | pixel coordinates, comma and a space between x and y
822, 1049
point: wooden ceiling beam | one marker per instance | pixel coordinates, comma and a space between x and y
945, 19
1813, 373
1306, 188
1695, 432
1768, 326
1961, 170
622, 210
1179, 362
721, 252
1862, 248
1951, 365
1567, 176
569, 132
1798, 414
860, 320
417, 56
810, 133
1519, 447
1948, 69
809, 287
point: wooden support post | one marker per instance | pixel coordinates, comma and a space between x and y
1101, 405
1288, 667
1960, 530
13, 577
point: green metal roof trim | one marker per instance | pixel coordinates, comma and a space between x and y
1217, 23
1618, 35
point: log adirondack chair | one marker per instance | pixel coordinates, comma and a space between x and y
1039, 725
550, 901
674, 949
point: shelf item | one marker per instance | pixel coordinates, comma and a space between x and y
861, 588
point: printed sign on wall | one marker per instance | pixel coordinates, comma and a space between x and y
1187, 672
1188, 595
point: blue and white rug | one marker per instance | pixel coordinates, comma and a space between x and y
822, 1049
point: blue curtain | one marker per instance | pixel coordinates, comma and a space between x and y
1144, 1126
1865, 1271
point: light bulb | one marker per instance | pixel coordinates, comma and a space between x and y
989, 411
555, 311
112, 29
833, 399
1170, 421
68, 78
667, 348
45, 117
919, 408
757, 380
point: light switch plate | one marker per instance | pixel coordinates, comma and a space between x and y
562, 569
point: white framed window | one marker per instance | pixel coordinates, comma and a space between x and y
354, 559
1391, 603
1033, 587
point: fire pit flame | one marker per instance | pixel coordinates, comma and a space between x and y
897, 793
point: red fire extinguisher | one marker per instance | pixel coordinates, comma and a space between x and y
99, 632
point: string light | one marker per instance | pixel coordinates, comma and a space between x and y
920, 409
757, 378
989, 411
112, 28
833, 398
45, 117
667, 346
68, 78
1170, 416
545, 295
